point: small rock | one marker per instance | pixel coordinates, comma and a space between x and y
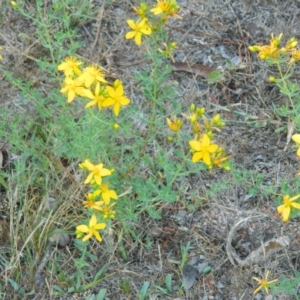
60, 239
189, 276
50, 204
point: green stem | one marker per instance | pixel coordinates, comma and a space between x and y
285, 84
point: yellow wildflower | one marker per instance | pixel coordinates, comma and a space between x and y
168, 8
296, 139
98, 97
219, 159
70, 66
270, 51
285, 208
203, 149
73, 87
263, 283
106, 193
97, 172
174, 125
92, 74
91, 202
295, 56
115, 97
14, 3
91, 229
138, 29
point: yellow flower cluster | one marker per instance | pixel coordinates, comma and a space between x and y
163, 8
202, 147
274, 51
90, 84
100, 200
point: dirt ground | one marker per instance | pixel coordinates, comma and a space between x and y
214, 34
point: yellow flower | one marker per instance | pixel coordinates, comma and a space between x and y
73, 87
91, 75
174, 125
285, 208
70, 66
97, 172
116, 126
142, 11
91, 202
138, 29
106, 193
91, 230
271, 51
295, 56
263, 283
1, 48
203, 149
296, 139
115, 97
98, 97
166, 7
14, 3
219, 159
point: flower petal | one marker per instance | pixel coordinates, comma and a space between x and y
93, 221
130, 35
197, 156
138, 38
296, 205
88, 236
206, 158
280, 208
195, 145
98, 236
82, 228
296, 138
212, 148
89, 178
285, 214
131, 24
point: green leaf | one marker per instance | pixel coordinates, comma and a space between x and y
214, 77
3, 183
169, 283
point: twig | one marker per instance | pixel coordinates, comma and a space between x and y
39, 276
100, 16
260, 254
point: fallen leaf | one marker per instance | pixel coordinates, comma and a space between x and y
201, 70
